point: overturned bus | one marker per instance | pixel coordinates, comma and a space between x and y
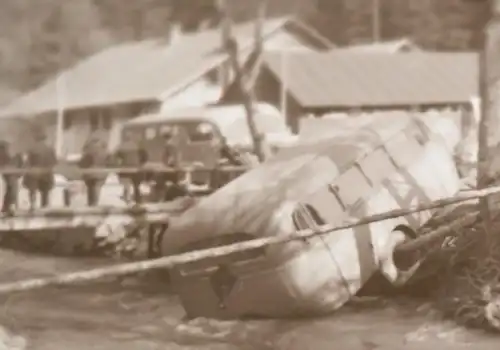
368, 165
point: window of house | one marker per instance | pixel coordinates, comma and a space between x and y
135, 109
106, 119
67, 121
94, 120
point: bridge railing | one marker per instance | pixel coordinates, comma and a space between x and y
69, 190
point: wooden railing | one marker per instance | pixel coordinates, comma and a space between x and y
215, 178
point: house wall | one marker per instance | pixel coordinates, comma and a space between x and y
80, 124
269, 89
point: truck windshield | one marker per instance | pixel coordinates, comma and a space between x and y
167, 132
199, 132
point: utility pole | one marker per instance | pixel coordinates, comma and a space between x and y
61, 96
61, 101
489, 88
376, 20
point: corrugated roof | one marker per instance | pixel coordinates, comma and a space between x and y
135, 71
389, 46
349, 80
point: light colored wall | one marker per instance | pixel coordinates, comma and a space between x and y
74, 136
79, 127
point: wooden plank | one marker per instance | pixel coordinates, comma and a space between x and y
54, 218
128, 170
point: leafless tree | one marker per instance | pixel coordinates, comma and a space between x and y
241, 82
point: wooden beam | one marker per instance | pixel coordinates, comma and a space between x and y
489, 79
128, 170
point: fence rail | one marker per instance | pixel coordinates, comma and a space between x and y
135, 210
142, 209
125, 170
213, 178
170, 261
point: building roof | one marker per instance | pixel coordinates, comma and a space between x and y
401, 45
350, 80
136, 71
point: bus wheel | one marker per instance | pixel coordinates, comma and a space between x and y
398, 268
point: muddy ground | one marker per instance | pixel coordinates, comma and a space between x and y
135, 314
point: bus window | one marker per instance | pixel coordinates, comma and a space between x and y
299, 219
306, 217
317, 219
324, 206
403, 150
200, 132
352, 186
377, 166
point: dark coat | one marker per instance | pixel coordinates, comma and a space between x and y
40, 156
230, 155
131, 155
170, 156
93, 156
5, 158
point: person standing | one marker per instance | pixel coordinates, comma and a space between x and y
167, 182
132, 154
41, 156
5, 162
93, 155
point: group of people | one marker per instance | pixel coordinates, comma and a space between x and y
131, 155
41, 156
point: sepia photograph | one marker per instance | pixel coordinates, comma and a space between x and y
249, 174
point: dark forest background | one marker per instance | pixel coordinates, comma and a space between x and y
40, 37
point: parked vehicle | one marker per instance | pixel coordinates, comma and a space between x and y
199, 134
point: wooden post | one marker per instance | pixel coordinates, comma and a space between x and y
61, 97
376, 20
488, 135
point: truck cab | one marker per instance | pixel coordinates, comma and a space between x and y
198, 134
